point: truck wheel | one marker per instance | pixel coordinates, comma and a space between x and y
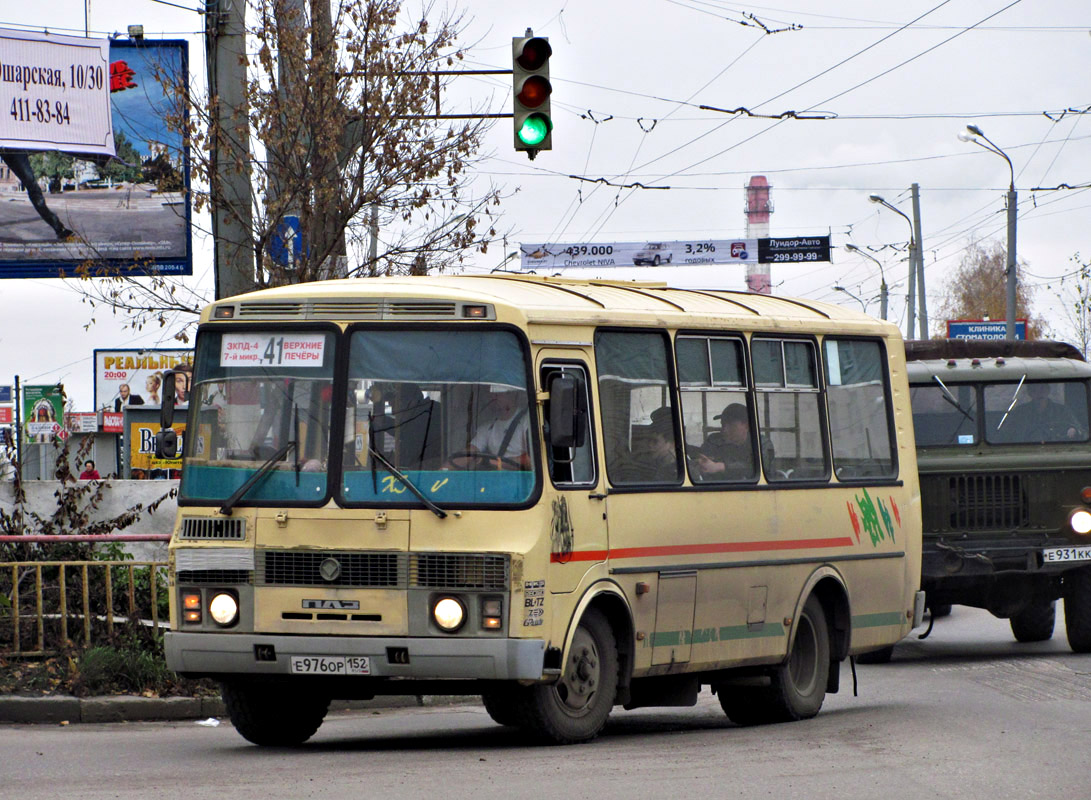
272, 715
575, 708
797, 687
941, 610
1077, 610
880, 656
1035, 622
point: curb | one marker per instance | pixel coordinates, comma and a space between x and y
132, 708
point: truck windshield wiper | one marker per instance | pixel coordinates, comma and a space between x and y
439, 512
260, 473
1011, 405
950, 398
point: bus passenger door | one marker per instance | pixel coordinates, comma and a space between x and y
578, 525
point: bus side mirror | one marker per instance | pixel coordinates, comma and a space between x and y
566, 414
166, 439
166, 443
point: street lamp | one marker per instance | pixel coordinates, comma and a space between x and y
910, 310
882, 276
974, 134
863, 305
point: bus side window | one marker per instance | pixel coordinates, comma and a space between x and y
789, 410
637, 407
570, 466
859, 408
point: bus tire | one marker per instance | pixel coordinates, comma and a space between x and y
797, 687
502, 707
1077, 609
274, 716
575, 708
1035, 622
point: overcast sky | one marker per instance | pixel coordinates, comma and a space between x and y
895, 83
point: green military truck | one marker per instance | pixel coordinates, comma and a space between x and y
1003, 451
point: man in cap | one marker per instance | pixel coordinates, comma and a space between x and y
728, 455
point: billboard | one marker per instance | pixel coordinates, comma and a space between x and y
63, 214
134, 377
140, 443
43, 413
677, 253
55, 93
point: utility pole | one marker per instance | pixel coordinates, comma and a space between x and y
919, 252
232, 198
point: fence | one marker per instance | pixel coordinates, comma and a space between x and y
51, 605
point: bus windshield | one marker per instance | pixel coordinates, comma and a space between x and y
441, 413
258, 396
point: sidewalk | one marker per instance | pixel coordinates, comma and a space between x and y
129, 708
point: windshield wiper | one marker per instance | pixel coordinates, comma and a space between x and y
1011, 405
261, 472
439, 512
950, 398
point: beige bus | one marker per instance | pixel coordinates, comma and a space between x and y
559, 495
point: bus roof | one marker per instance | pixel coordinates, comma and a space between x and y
539, 300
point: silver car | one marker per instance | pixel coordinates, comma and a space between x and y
654, 253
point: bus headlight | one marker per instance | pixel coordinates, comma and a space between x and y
224, 609
449, 614
1080, 521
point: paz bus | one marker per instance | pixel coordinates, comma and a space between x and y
523, 488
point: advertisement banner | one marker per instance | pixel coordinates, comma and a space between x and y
81, 422
143, 464
7, 415
43, 413
113, 422
55, 93
638, 254
135, 377
64, 214
797, 249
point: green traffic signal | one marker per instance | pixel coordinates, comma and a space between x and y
531, 90
534, 130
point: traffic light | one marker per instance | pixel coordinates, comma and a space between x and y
530, 92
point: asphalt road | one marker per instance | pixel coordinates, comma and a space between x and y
967, 713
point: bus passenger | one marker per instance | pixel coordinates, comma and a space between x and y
654, 458
728, 454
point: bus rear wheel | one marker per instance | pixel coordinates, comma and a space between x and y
1035, 622
797, 687
575, 708
1077, 609
274, 715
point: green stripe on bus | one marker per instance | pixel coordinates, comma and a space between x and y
723, 634
878, 620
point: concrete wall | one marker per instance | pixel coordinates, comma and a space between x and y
117, 497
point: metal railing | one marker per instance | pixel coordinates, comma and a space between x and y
51, 605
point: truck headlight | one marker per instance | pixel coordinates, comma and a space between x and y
1080, 520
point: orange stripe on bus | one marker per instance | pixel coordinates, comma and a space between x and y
700, 549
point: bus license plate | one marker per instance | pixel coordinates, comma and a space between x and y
330, 665
1055, 554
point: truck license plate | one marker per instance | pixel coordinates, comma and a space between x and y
330, 665
1055, 554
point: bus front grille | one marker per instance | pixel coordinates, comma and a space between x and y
205, 577
330, 568
213, 529
459, 571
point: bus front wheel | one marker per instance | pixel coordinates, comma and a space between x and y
272, 715
575, 708
796, 688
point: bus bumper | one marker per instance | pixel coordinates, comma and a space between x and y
487, 659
